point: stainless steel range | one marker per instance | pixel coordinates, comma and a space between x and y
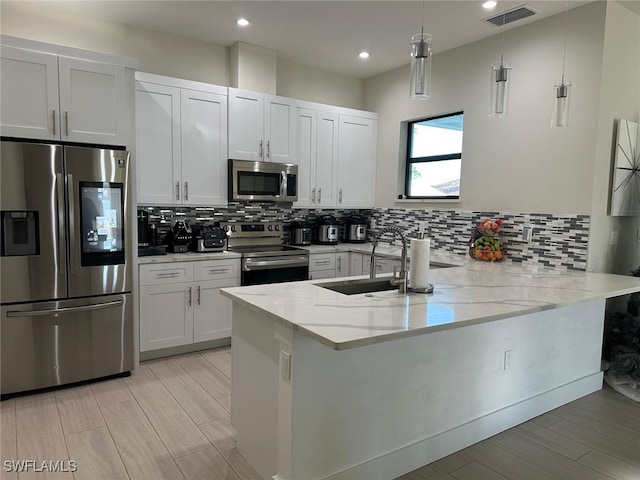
264, 258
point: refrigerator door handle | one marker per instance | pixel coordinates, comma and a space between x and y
59, 202
72, 238
50, 311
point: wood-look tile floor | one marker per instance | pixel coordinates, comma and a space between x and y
168, 420
596, 437
171, 420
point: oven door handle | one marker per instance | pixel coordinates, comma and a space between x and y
250, 264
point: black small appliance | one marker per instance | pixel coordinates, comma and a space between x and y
208, 239
179, 237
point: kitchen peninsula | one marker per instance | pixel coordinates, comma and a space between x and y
327, 385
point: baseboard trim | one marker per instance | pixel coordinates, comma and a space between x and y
406, 459
190, 348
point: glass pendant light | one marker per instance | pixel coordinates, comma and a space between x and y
420, 64
499, 93
562, 91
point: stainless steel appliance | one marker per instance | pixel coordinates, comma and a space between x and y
300, 233
355, 229
262, 181
179, 237
264, 258
326, 230
65, 265
208, 239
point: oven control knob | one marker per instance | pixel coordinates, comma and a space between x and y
233, 228
277, 227
226, 228
270, 227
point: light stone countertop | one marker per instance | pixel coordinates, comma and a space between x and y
475, 293
187, 257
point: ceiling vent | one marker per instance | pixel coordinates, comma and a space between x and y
513, 15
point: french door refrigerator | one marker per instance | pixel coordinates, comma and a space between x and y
65, 265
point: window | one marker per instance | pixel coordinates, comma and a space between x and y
434, 157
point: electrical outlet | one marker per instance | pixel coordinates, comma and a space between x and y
508, 358
373, 223
422, 228
285, 366
527, 234
613, 238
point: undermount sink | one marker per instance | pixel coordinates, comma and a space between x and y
354, 287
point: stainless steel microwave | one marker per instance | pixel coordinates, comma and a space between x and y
262, 181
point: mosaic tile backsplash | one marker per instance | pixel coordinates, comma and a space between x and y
559, 241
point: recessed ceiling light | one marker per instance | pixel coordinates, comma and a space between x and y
243, 22
489, 4
363, 54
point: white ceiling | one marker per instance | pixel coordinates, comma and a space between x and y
323, 34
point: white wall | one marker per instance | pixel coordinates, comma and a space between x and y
316, 85
517, 163
619, 98
166, 54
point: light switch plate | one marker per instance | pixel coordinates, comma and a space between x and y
285, 366
613, 237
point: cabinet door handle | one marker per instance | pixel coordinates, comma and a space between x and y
66, 123
323, 262
313, 194
54, 122
177, 190
340, 196
268, 148
218, 270
189, 300
198, 297
186, 190
320, 195
340, 264
260, 153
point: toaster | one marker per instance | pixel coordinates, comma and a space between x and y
208, 239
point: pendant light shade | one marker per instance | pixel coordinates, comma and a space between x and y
420, 66
499, 94
560, 117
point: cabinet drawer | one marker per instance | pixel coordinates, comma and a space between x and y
166, 273
213, 270
322, 261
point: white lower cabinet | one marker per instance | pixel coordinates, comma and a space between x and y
385, 265
322, 265
343, 267
180, 303
358, 264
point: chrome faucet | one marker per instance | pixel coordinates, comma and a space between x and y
397, 279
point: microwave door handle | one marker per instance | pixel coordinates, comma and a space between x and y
283, 184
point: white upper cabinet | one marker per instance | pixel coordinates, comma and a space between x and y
29, 94
317, 158
181, 142
158, 144
356, 161
261, 127
92, 98
51, 97
204, 147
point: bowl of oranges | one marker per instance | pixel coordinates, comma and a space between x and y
486, 244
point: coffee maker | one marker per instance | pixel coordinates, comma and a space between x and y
148, 236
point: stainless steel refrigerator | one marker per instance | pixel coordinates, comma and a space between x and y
65, 265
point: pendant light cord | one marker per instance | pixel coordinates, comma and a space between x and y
504, 18
422, 25
564, 50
